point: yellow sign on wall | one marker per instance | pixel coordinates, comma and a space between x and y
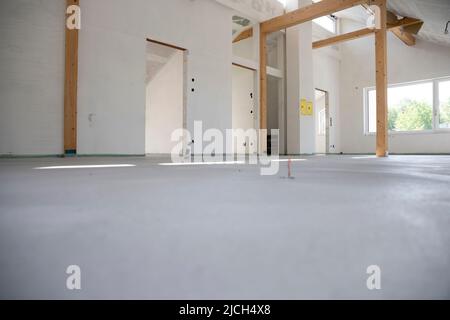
306, 107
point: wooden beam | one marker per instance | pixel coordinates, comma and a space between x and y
71, 87
166, 44
343, 37
406, 37
242, 66
400, 31
414, 29
308, 13
405, 22
381, 81
245, 34
263, 92
263, 80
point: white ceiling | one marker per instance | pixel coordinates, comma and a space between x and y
259, 10
240, 23
434, 13
357, 13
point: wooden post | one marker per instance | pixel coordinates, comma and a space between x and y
263, 79
263, 90
71, 87
381, 82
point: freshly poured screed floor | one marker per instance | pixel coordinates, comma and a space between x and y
222, 232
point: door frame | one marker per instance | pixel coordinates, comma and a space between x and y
328, 120
185, 88
255, 88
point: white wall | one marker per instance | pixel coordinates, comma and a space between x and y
306, 75
242, 103
242, 107
244, 49
31, 77
327, 71
164, 111
260, 10
299, 84
112, 67
111, 110
320, 104
422, 61
111, 87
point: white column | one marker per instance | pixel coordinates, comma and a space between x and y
300, 84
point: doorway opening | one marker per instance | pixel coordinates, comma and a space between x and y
322, 115
243, 109
165, 96
275, 114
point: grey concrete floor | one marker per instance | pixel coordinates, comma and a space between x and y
226, 232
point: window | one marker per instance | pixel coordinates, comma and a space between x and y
410, 107
327, 22
444, 104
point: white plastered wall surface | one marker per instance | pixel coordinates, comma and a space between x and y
299, 84
164, 105
327, 70
32, 77
111, 83
423, 61
319, 107
111, 118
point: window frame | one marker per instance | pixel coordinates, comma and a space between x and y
435, 105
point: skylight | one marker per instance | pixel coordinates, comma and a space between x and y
326, 22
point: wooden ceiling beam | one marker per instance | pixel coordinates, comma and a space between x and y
406, 31
308, 13
414, 28
406, 37
397, 27
343, 37
245, 34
